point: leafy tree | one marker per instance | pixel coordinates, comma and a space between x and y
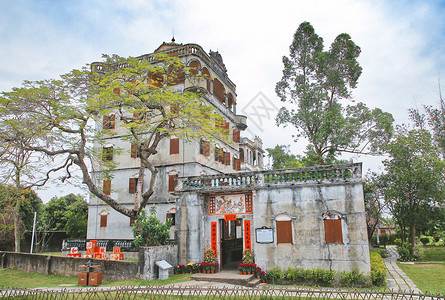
68, 213
18, 205
148, 230
316, 82
374, 202
282, 158
434, 119
59, 115
414, 183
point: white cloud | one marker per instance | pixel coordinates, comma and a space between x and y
402, 48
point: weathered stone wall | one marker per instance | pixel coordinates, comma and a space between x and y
148, 256
67, 266
303, 196
304, 205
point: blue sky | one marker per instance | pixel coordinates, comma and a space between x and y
402, 42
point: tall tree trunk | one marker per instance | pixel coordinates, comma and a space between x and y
17, 213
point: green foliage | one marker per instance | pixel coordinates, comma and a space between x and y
282, 158
68, 213
378, 269
353, 278
405, 252
425, 240
316, 82
274, 274
414, 184
29, 202
209, 256
149, 231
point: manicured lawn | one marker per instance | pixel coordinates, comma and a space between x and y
434, 253
19, 279
427, 277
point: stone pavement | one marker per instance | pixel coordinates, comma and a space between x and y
396, 278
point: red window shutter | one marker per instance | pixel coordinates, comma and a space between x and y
103, 220
212, 205
284, 232
105, 122
202, 147
238, 165
117, 91
236, 135
107, 187
171, 182
131, 222
132, 185
227, 159
207, 148
333, 231
234, 163
221, 155
248, 204
133, 151
174, 146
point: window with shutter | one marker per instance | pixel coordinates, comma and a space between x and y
202, 147
132, 185
212, 205
171, 182
171, 217
207, 148
107, 187
284, 232
103, 220
133, 151
248, 204
238, 165
131, 222
107, 153
227, 159
108, 122
333, 231
174, 146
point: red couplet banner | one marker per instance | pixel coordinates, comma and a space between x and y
247, 242
230, 217
214, 237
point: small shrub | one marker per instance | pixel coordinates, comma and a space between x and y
308, 275
398, 242
425, 240
378, 269
354, 278
297, 274
405, 252
418, 251
383, 239
275, 274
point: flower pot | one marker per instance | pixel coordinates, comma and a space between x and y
258, 276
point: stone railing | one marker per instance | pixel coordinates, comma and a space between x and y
251, 180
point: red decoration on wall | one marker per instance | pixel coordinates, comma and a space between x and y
230, 217
214, 237
247, 242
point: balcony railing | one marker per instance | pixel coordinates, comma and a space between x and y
243, 180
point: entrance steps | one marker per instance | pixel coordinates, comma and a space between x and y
228, 276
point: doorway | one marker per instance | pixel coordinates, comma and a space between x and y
231, 233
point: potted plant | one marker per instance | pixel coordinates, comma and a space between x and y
258, 272
263, 276
178, 269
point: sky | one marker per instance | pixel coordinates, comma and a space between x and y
402, 47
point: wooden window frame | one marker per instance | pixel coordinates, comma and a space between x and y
106, 187
107, 153
333, 231
132, 185
103, 220
174, 146
284, 232
108, 122
171, 182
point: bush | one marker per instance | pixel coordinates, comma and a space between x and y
354, 278
398, 242
378, 269
274, 274
383, 239
418, 250
425, 240
405, 252
148, 230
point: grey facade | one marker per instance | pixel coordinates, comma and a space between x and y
305, 200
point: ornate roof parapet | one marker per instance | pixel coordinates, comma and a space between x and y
332, 174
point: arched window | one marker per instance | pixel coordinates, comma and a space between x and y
207, 77
194, 67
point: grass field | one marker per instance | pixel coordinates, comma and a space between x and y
434, 253
19, 279
427, 277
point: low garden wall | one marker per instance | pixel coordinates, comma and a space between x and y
67, 266
112, 270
